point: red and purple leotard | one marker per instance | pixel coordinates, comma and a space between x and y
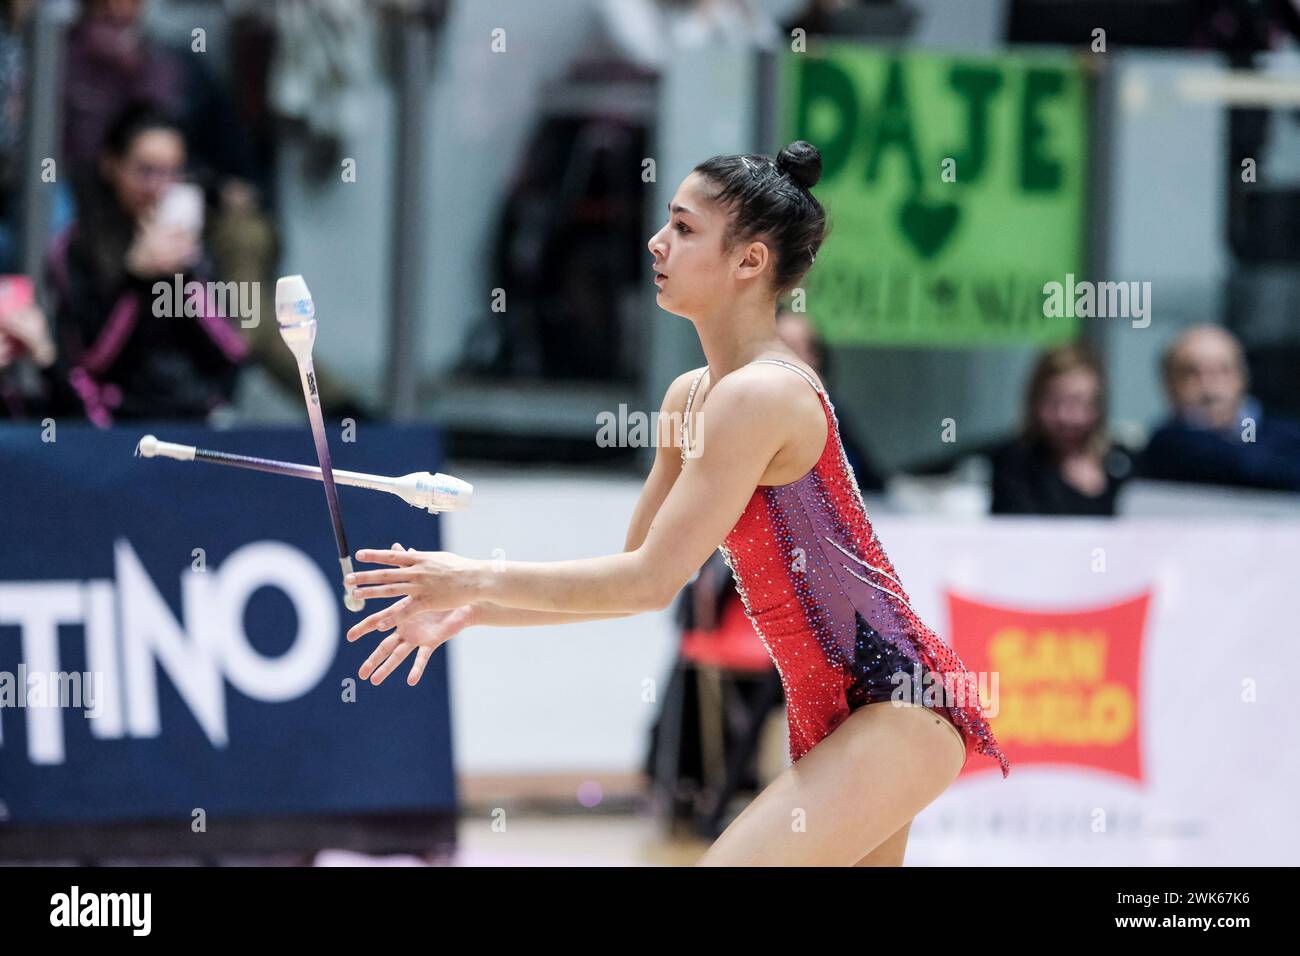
826, 603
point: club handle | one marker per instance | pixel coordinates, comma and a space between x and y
350, 599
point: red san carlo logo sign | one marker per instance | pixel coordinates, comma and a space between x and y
1067, 682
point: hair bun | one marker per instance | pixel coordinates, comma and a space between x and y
802, 162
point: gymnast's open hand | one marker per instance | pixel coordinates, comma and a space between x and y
417, 625
433, 580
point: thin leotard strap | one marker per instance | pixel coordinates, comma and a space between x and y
686, 416
690, 396
795, 368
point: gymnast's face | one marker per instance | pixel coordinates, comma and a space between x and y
688, 253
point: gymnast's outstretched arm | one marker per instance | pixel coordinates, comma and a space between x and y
667, 465
664, 471
746, 429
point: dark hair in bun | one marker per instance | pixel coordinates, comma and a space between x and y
801, 162
770, 201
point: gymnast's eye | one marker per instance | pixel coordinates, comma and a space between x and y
681, 227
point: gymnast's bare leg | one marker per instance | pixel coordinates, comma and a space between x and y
849, 795
889, 853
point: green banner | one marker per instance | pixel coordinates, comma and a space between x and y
954, 188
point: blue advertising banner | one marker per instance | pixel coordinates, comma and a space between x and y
172, 633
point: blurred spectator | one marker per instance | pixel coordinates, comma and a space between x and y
801, 335
127, 351
14, 15
567, 230
26, 350
1217, 433
315, 58
644, 33
111, 61
716, 636
1063, 462
876, 19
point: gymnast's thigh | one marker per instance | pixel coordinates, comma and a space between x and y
848, 795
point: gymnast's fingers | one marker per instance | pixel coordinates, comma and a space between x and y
379, 655
400, 653
417, 669
395, 558
381, 576
381, 620
384, 590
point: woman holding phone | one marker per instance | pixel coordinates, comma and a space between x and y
127, 347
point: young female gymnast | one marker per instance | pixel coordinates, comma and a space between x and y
873, 738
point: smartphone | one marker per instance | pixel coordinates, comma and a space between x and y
16, 292
182, 207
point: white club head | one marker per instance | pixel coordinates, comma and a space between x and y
434, 493
446, 493
296, 314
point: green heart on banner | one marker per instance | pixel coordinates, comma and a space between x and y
928, 226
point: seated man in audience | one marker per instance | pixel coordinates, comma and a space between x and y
1217, 433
